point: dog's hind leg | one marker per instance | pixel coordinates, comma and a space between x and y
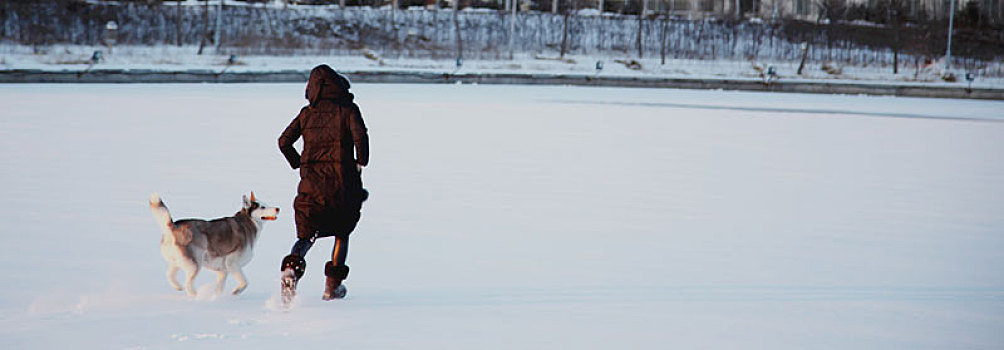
172, 276
191, 270
221, 280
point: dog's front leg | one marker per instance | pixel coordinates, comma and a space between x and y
242, 282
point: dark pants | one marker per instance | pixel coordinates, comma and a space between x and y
342, 227
338, 253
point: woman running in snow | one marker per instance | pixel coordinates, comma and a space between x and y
330, 194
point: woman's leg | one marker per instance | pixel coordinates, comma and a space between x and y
340, 251
295, 261
336, 271
301, 246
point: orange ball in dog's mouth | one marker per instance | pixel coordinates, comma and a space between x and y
269, 218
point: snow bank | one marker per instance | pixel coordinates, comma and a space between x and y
172, 59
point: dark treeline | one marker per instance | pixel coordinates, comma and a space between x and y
254, 29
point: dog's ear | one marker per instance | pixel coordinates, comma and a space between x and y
247, 203
252, 197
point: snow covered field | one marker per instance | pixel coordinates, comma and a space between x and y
513, 217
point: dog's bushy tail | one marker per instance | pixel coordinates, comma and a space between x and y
162, 215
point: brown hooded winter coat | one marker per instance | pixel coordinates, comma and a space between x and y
330, 194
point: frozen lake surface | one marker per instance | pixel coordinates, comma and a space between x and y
514, 217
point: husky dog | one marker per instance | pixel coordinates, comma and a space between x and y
222, 245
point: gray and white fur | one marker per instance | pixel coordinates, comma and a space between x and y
223, 245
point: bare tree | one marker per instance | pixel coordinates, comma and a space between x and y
205, 26
456, 27
832, 10
641, 25
393, 27
663, 34
564, 33
807, 45
219, 27
894, 13
268, 18
177, 23
512, 26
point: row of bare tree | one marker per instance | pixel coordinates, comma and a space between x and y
494, 34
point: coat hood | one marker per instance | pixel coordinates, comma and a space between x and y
326, 84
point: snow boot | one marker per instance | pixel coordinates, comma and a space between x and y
293, 267
333, 287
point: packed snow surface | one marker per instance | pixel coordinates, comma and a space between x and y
515, 217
